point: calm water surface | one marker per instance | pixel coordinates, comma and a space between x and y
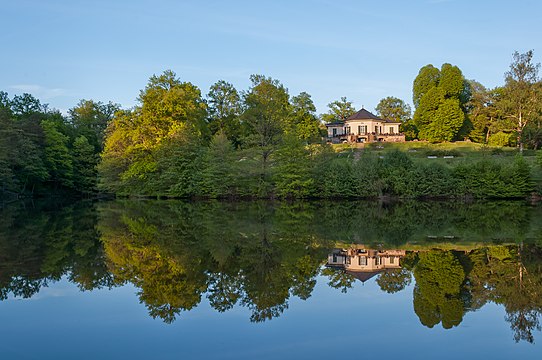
210, 280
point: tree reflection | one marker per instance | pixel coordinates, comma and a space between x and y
260, 255
40, 243
449, 283
238, 255
437, 294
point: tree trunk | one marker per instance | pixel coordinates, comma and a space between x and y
520, 130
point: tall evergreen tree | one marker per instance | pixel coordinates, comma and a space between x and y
440, 98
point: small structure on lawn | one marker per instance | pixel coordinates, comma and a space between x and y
364, 127
364, 263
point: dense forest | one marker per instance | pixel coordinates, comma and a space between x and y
265, 143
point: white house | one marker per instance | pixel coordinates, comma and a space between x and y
364, 127
365, 263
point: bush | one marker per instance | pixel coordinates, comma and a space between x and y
490, 178
500, 139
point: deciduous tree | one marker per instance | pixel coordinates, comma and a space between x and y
393, 108
522, 95
224, 110
339, 110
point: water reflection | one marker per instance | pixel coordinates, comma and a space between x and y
449, 283
261, 255
40, 244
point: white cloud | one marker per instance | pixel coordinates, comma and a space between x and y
38, 91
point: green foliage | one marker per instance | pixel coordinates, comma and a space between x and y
439, 279
394, 280
336, 178
219, 168
427, 79
440, 98
429, 104
225, 110
339, 110
447, 120
84, 165
500, 139
90, 119
265, 120
260, 255
452, 82
481, 112
522, 93
177, 252
493, 179
144, 145
304, 122
178, 167
293, 170
396, 167
410, 130
393, 108
166, 103
45, 242
57, 156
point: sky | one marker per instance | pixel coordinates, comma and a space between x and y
62, 51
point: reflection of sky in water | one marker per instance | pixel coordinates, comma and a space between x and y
63, 323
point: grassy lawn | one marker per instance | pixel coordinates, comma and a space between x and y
448, 152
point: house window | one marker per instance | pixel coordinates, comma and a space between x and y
334, 132
363, 260
378, 261
362, 129
391, 130
392, 260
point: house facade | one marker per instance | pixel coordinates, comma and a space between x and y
365, 263
363, 127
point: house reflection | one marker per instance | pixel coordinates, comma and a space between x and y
363, 263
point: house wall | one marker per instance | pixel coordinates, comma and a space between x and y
384, 262
394, 138
355, 124
340, 130
336, 259
386, 128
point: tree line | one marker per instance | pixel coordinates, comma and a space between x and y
264, 142
450, 107
42, 151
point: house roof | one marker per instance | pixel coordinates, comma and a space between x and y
363, 115
363, 276
336, 123
366, 115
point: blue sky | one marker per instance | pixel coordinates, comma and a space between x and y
65, 50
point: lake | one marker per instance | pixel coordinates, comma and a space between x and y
152, 279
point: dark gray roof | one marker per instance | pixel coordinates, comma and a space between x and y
363, 276
363, 115
336, 123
